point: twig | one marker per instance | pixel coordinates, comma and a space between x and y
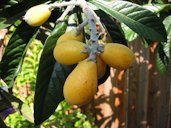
92, 20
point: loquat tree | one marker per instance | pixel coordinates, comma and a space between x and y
81, 40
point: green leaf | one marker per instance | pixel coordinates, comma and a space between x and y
13, 13
157, 8
112, 27
18, 105
137, 18
50, 79
129, 34
14, 53
164, 49
7, 22
167, 23
162, 59
8, 3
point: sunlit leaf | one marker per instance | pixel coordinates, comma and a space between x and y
139, 19
157, 8
12, 59
129, 34
19, 105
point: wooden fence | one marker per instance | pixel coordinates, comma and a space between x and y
137, 98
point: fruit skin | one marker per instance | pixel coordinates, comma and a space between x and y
37, 15
69, 52
71, 35
117, 56
101, 67
81, 84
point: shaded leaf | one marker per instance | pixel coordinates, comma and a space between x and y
164, 49
2, 124
137, 18
18, 105
112, 27
8, 22
162, 60
167, 23
7, 3
50, 79
14, 53
105, 76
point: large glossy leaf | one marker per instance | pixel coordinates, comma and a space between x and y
139, 19
14, 53
167, 23
157, 8
50, 79
162, 59
112, 27
129, 34
164, 49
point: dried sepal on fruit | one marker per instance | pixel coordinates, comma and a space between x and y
69, 52
81, 85
117, 56
37, 15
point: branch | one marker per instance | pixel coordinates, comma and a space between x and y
92, 20
65, 13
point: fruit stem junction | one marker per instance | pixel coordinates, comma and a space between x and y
92, 20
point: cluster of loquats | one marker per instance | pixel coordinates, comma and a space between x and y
91, 59
81, 84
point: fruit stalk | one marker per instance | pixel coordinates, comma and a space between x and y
94, 35
64, 14
86, 9
92, 21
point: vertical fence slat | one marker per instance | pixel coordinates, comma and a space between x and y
143, 88
133, 81
164, 84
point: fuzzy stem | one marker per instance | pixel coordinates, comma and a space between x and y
98, 21
81, 26
64, 14
92, 19
83, 4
